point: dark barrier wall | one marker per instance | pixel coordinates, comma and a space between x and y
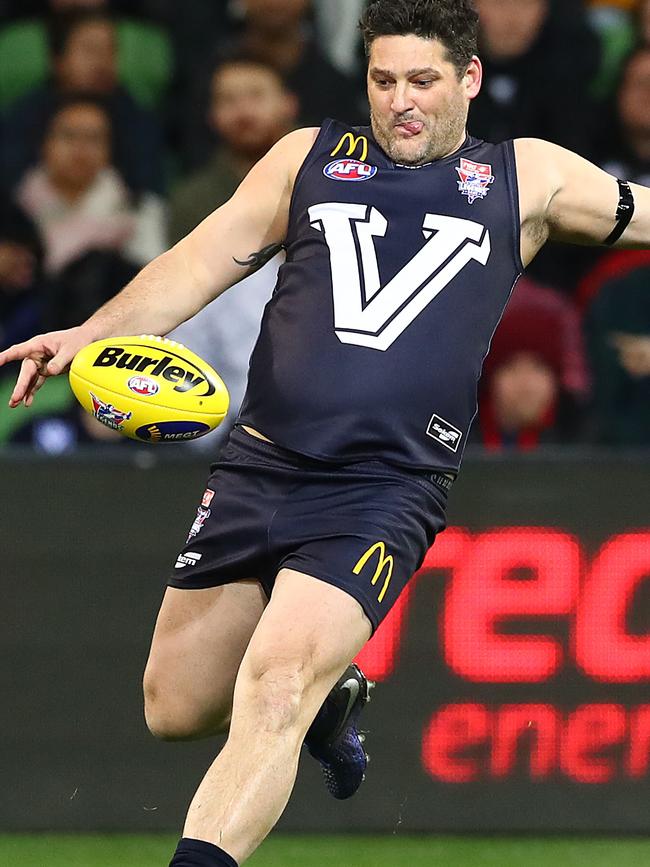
513, 676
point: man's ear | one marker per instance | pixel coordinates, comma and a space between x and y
473, 78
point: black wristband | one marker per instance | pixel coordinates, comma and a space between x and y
624, 212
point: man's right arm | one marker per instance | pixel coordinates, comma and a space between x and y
180, 282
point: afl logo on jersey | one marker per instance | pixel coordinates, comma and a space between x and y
349, 170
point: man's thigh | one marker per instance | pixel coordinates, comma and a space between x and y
198, 643
307, 636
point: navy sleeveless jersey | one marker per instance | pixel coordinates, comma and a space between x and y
396, 277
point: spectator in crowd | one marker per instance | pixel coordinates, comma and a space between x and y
21, 279
626, 150
538, 66
280, 34
535, 382
531, 50
624, 153
618, 334
90, 222
250, 109
83, 58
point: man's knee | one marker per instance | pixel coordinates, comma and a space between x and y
273, 689
172, 717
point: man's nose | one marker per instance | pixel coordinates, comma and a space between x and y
402, 99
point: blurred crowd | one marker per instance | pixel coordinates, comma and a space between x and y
124, 123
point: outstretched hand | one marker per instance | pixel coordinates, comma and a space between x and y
42, 356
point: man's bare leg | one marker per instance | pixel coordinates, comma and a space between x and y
198, 645
306, 637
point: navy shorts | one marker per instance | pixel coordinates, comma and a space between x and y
364, 527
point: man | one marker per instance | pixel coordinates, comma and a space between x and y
403, 243
529, 48
278, 32
79, 200
250, 109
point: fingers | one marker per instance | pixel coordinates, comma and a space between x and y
29, 397
27, 378
60, 362
42, 356
17, 352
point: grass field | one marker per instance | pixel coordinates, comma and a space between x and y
390, 851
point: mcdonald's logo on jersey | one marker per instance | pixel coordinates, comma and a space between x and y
353, 142
385, 561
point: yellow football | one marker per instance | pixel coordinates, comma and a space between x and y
151, 389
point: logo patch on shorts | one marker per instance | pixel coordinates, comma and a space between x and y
444, 433
202, 516
189, 559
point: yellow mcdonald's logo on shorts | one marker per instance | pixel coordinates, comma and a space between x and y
384, 560
353, 141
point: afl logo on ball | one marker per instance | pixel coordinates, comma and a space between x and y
349, 170
143, 385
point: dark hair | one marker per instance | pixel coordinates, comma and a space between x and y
226, 59
70, 100
61, 26
80, 97
452, 22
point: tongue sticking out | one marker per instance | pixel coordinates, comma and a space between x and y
411, 128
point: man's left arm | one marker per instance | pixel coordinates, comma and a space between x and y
574, 201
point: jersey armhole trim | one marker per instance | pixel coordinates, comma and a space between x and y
513, 192
306, 163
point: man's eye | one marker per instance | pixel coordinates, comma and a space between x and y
424, 82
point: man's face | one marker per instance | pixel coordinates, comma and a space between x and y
89, 61
77, 146
509, 28
634, 95
250, 108
523, 390
418, 105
